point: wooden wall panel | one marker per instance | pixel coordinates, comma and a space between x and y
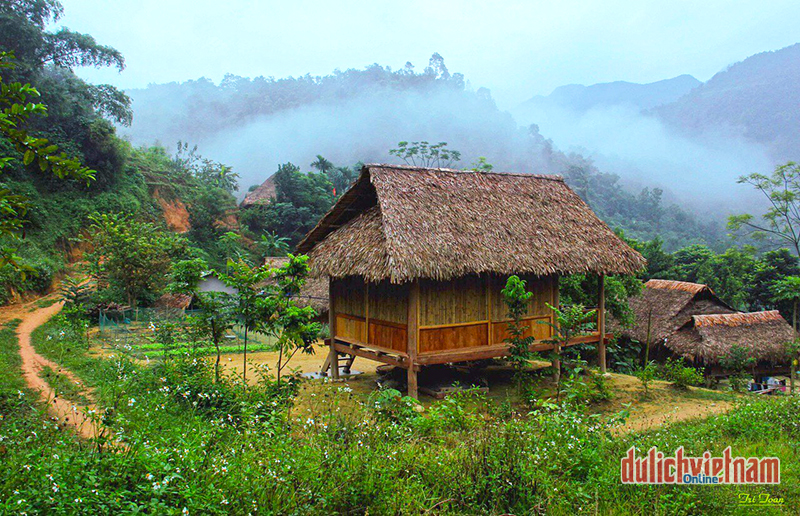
452, 337
388, 302
539, 330
542, 288
351, 327
388, 335
456, 301
349, 296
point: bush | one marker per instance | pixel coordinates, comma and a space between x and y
680, 375
390, 405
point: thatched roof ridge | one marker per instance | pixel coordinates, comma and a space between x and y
741, 319
711, 337
684, 286
261, 195
401, 223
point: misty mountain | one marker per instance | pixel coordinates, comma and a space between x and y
642, 96
757, 98
354, 115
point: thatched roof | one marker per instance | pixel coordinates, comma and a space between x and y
711, 337
315, 291
401, 223
174, 301
668, 305
261, 195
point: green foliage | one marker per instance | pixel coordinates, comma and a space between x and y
736, 362
646, 374
391, 405
780, 224
584, 289
516, 299
570, 321
15, 110
681, 375
482, 165
300, 202
130, 257
424, 154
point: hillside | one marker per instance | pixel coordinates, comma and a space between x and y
757, 98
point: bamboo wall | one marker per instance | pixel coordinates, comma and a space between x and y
467, 312
379, 322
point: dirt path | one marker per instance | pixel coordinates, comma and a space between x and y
67, 413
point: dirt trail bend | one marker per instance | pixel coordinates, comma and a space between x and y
67, 413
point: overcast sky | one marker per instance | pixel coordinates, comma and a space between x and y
515, 48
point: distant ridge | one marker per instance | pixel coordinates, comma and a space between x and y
582, 98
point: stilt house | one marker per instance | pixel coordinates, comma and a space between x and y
417, 257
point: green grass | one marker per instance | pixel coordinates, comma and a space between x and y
225, 449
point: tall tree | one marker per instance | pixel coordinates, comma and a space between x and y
15, 110
780, 224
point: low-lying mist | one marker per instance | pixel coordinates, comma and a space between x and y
697, 169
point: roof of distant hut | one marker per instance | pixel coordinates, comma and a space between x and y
711, 337
261, 195
669, 305
401, 223
314, 292
174, 301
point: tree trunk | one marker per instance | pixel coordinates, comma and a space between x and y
215, 338
280, 360
245, 357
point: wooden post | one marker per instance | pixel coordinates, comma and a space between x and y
366, 311
413, 334
334, 357
489, 308
601, 324
557, 348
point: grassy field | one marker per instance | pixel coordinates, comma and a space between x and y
189, 445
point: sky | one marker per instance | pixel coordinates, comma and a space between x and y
517, 49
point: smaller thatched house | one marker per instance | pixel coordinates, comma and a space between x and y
706, 339
314, 293
261, 195
664, 306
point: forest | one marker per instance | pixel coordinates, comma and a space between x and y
154, 410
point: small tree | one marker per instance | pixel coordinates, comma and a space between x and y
129, 256
571, 322
516, 299
214, 318
246, 281
280, 317
737, 361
